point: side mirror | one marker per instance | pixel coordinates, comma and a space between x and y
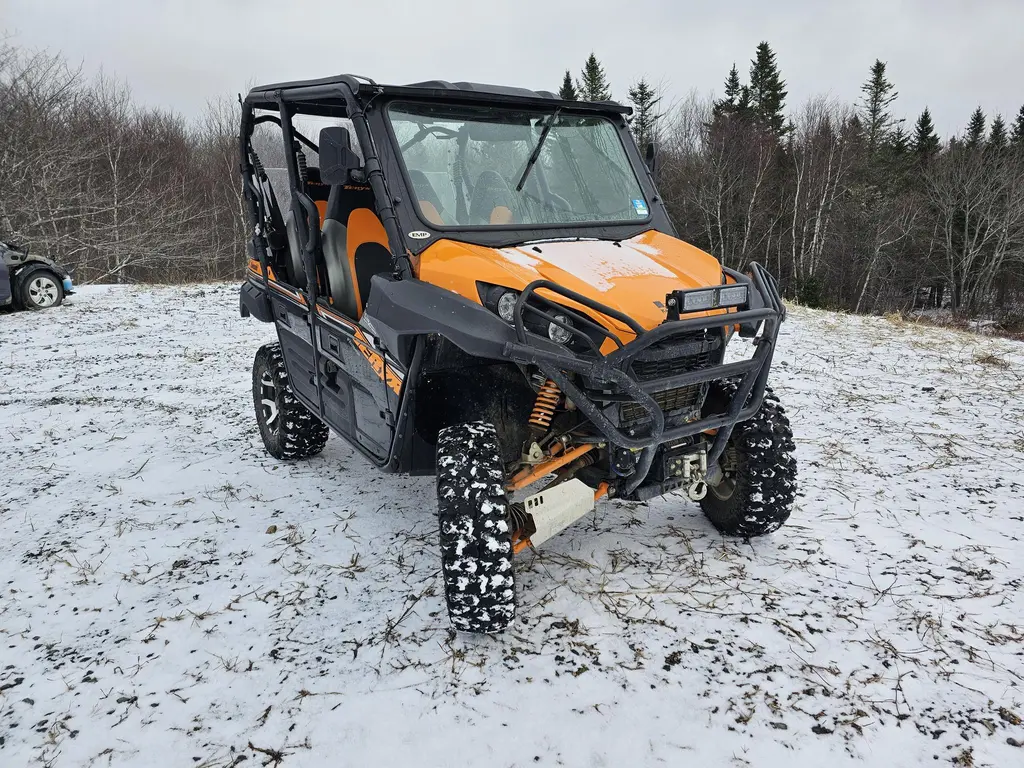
651, 154
336, 155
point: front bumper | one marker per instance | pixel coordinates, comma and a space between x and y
611, 372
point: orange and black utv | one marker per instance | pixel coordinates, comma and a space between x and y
483, 283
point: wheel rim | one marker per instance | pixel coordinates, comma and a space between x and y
268, 401
730, 469
42, 291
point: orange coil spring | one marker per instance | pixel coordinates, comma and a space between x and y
544, 406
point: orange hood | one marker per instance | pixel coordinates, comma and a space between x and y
632, 276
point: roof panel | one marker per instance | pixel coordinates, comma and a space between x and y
433, 89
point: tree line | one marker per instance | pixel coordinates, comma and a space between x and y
117, 192
846, 204
849, 208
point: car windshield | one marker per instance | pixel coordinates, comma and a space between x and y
471, 166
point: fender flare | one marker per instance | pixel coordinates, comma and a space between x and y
253, 301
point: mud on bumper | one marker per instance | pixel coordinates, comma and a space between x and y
594, 381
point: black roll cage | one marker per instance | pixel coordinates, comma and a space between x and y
361, 100
334, 97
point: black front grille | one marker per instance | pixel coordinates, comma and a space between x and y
689, 353
645, 370
670, 401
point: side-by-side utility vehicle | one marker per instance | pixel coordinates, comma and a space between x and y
482, 282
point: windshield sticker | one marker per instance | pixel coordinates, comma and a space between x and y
640, 207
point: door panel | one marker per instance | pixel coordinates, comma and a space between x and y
352, 388
372, 429
296, 345
337, 398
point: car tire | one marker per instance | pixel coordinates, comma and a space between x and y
476, 538
289, 430
38, 288
758, 488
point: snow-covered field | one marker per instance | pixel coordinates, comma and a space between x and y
172, 596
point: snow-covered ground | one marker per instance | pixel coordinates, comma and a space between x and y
172, 596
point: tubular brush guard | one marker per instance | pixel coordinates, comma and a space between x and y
764, 305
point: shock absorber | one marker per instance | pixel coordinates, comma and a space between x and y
544, 407
300, 161
257, 165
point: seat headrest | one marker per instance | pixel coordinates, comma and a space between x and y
425, 192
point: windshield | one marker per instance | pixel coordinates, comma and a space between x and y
466, 163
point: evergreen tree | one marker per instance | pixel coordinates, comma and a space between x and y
997, 134
1017, 137
733, 89
898, 140
854, 130
925, 142
593, 85
644, 121
767, 90
878, 96
737, 96
975, 135
568, 91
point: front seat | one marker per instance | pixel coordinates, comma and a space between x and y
335, 244
430, 203
492, 200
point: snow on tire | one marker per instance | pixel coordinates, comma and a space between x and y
476, 539
288, 429
756, 496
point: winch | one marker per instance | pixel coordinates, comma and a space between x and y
690, 470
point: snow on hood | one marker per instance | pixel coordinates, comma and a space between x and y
633, 276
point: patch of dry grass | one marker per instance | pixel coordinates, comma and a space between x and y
992, 359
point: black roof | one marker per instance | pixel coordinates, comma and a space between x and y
265, 96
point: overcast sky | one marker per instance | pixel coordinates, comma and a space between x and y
950, 55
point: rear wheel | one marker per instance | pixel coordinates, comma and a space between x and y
288, 429
39, 289
476, 539
758, 486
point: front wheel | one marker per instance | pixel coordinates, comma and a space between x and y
758, 486
39, 289
476, 539
288, 429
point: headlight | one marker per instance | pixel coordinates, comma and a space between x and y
507, 306
557, 333
712, 298
732, 296
502, 301
694, 301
